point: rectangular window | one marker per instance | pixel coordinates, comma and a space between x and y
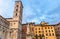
45, 27
39, 28
42, 31
46, 30
46, 34
39, 31
51, 27
35, 28
52, 30
50, 34
42, 28
49, 30
53, 34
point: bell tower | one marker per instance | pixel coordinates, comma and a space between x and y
17, 20
18, 10
17, 16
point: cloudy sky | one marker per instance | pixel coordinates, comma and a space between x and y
34, 10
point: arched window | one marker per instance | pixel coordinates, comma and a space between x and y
16, 14
16, 9
17, 6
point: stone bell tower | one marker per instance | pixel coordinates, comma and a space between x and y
17, 20
18, 10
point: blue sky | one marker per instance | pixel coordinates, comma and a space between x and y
34, 10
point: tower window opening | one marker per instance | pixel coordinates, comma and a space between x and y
17, 6
16, 14
16, 9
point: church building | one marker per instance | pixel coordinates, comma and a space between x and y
10, 28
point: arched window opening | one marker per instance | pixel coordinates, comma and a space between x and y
16, 14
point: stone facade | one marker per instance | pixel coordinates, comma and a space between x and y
10, 28
27, 32
4, 28
40, 31
57, 30
44, 31
24, 29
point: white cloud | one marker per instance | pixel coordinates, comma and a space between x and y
2, 7
27, 13
6, 8
35, 20
43, 17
